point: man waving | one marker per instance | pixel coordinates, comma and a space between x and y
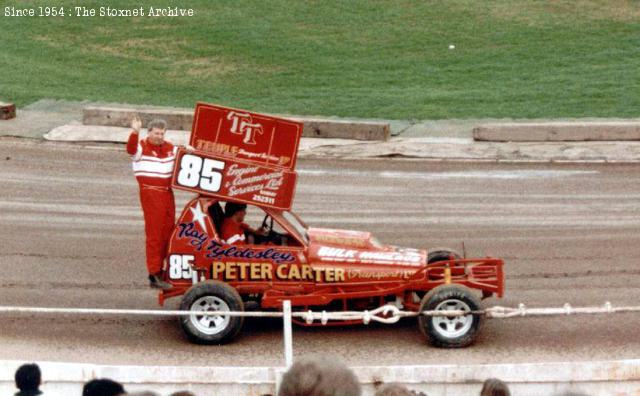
153, 161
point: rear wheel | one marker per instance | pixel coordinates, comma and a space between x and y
450, 331
439, 255
211, 296
436, 255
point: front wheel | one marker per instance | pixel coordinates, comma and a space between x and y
211, 296
450, 331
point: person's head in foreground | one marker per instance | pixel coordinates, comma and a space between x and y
28, 378
319, 377
494, 387
182, 393
156, 130
103, 387
394, 390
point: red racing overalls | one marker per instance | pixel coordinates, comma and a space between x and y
232, 232
153, 167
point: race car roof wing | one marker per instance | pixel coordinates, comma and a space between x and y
240, 156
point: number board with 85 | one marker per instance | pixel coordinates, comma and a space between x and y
233, 179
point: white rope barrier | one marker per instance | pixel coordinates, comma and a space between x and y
132, 312
287, 334
384, 314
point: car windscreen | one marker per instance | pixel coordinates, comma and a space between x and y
295, 223
376, 243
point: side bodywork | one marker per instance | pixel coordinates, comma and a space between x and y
315, 267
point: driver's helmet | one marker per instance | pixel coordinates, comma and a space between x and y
230, 208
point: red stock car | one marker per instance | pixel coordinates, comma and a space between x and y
316, 269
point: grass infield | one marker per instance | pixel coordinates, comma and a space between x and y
361, 58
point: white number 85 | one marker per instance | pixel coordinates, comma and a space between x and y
180, 266
200, 172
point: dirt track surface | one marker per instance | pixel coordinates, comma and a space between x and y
72, 236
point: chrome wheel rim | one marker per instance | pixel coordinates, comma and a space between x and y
210, 324
452, 326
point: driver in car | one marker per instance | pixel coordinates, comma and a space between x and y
233, 226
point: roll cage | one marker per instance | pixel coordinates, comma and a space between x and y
289, 221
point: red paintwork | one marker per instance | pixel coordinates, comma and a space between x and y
333, 265
260, 138
242, 181
318, 267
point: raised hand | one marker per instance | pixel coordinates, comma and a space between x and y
136, 123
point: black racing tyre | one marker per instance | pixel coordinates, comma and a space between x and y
436, 255
211, 296
450, 332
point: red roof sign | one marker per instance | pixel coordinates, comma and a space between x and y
244, 135
240, 156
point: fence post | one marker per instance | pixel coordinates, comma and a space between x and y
288, 338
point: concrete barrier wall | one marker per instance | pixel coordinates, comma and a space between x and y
178, 119
558, 131
182, 119
619, 378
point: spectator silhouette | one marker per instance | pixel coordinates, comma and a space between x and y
319, 377
103, 387
182, 393
394, 390
28, 379
494, 387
